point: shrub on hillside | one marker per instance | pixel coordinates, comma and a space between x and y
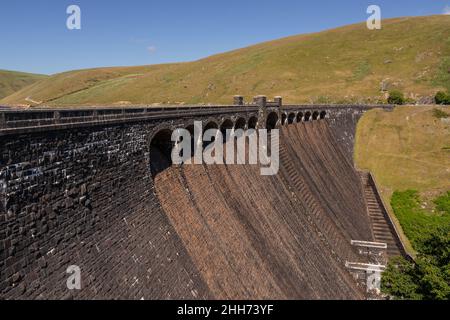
437, 113
396, 97
428, 277
442, 98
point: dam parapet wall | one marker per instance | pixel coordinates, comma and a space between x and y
15, 120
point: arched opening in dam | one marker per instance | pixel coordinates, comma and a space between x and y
226, 125
190, 128
323, 114
240, 124
283, 119
210, 125
299, 117
252, 122
161, 151
291, 118
308, 116
272, 120
315, 115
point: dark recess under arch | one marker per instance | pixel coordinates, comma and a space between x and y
252, 122
240, 123
272, 120
226, 125
190, 128
283, 119
291, 118
161, 151
308, 116
209, 125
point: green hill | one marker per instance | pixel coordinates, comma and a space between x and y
347, 64
12, 81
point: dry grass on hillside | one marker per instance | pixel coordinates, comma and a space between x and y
408, 148
346, 64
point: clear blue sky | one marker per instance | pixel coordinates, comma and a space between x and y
34, 36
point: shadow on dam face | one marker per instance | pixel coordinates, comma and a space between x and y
161, 151
276, 237
240, 123
307, 116
226, 125
272, 120
291, 118
209, 126
252, 122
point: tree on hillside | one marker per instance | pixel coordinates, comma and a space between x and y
442, 98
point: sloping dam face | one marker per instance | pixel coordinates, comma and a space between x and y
87, 198
285, 236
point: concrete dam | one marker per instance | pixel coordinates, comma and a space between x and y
95, 188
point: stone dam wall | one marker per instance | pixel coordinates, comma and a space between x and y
84, 195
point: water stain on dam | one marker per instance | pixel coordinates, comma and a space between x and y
271, 237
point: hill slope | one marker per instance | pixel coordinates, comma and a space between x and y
348, 63
12, 81
408, 148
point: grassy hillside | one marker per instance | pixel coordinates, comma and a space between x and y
408, 149
344, 64
11, 81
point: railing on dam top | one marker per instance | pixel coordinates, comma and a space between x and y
290, 107
16, 118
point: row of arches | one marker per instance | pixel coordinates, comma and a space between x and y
161, 144
228, 124
240, 123
295, 117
